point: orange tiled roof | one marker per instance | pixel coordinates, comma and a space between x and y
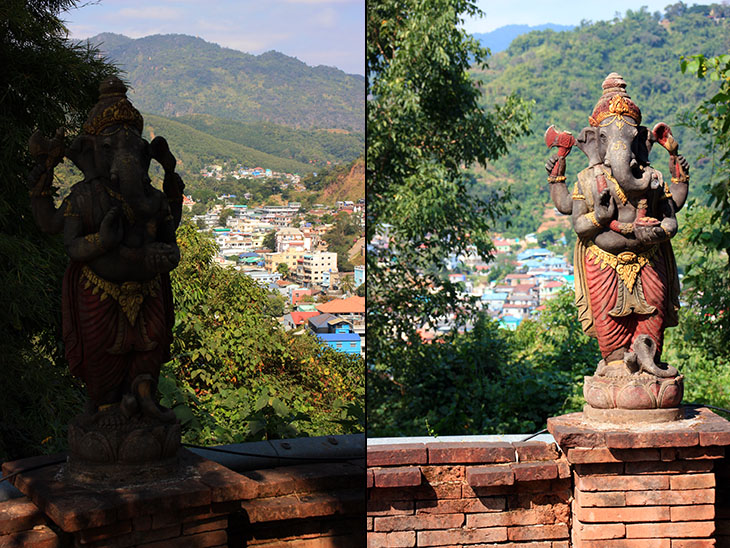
351, 305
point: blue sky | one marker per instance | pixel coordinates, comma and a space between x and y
499, 13
318, 32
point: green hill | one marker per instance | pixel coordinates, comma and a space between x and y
563, 71
177, 75
308, 146
196, 148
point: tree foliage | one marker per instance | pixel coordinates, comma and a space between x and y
236, 375
424, 124
489, 380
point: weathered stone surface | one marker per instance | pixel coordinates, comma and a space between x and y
470, 452
19, 515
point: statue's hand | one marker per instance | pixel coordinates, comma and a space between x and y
550, 164
604, 207
649, 234
680, 164
111, 231
161, 257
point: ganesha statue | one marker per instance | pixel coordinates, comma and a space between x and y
119, 233
626, 283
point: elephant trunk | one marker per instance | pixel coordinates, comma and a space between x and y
632, 177
131, 177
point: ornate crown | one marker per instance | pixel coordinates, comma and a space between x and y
615, 102
113, 108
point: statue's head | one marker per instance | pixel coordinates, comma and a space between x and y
111, 146
616, 138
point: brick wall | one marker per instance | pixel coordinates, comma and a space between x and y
317, 505
468, 493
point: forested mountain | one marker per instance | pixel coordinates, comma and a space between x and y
177, 75
500, 39
196, 148
562, 73
304, 145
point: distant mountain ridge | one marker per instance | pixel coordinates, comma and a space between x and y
178, 75
500, 39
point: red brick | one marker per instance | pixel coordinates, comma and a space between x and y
370, 524
600, 498
484, 504
622, 483
588, 531
674, 467
100, 533
419, 522
672, 498
397, 477
421, 492
142, 523
397, 454
390, 507
693, 481
694, 543
568, 431
399, 539
534, 471
201, 540
599, 469
651, 439
700, 452
434, 474
369, 482
555, 544
581, 455
470, 452
202, 526
19, 515
697, 512
39, 536
564, 469
538, 532
532, 516
625, 543
688, 529
488, 476
622, 514
461, 536
535, 450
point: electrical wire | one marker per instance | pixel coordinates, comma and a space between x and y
286, 457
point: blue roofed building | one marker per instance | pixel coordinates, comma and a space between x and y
349, 343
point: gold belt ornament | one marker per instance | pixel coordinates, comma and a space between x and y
627, 264
129, 295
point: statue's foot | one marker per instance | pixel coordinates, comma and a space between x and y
614, 368
645, 349
109, 416
152, 410
129, 405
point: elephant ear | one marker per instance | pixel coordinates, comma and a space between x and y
587, 141
81, 153
643, 143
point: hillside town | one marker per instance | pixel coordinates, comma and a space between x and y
285, 249
530, 276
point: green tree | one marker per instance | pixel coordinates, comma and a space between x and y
270, 240
424, 123
225, 214
700, 345
236, 375
283, 269
50, 82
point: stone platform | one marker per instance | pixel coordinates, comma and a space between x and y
188, 509
644, 485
